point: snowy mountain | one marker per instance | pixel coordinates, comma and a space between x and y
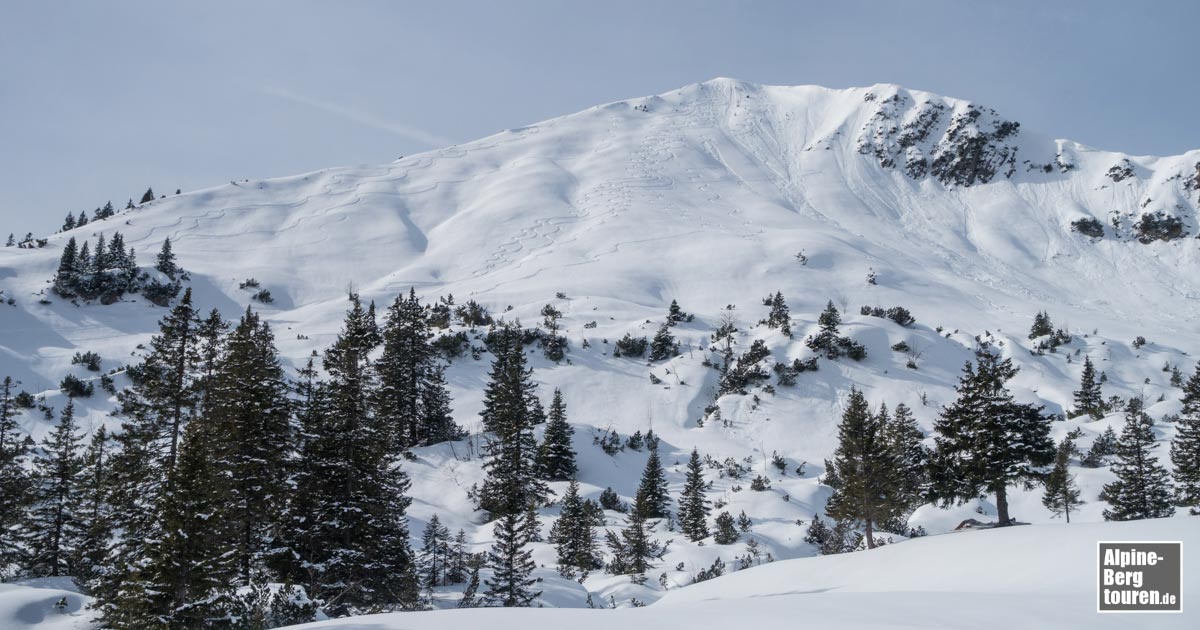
705, 195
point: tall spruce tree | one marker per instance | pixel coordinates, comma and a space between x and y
1143, 487
1088, 398
95, 510
865, 464
556, 457
652, 494
411, 397
511, 562
165, 262
53, 525
1061, 494
1041, 325
985, 440
436, 554
572, 535
693, 505
347, 528
185, 580
512, 481
1185, 448
15, 484
904, 438
633, 549
249, 408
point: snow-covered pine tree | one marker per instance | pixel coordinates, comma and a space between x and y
15, 484
154, 412
1062, 494
53, 526
249, 409
1143, 487
95, 510
725, 531
693, 505
347, 526
1088, 398
511, 562
572, 535
407, 380
512, 481
556, 457
633, 550
904, 437
986, 441
437, 419
185, 579
779, 317
165, 262
663, 346
147, 196
1185, 448
456, 572
66, 278
436, 554
870, 488
1041, 325
653, 498
69, 222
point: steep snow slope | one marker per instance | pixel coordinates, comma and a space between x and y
704, 195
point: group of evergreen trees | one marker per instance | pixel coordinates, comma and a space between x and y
879, 470
226, 475
110, 271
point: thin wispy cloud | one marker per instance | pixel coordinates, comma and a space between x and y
409, 132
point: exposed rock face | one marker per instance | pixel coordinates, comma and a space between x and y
961, 146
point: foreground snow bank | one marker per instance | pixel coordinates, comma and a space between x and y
1040, 576
30, 604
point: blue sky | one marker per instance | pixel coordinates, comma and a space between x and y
99, 100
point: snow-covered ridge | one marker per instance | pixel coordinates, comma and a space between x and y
705, 195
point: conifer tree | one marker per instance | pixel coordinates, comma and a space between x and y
911, 458
1143, 487
82, 220
986, 441
249, 408
512, 565
633, 550
457, 571
1088, 398
512, 481
69, 222
1103, 447
1041, 326
652, 496
66, 277
780, 317
1185, 448
15, 484
469, 600
95, 510
165, 262
1062, 494
12, 240
664, 345
347, 527
53, 526
147, 196
412, 397
693, 505
185, 578
572, 535
675, 314
726, 532
864, 462
556, 457
435, 556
